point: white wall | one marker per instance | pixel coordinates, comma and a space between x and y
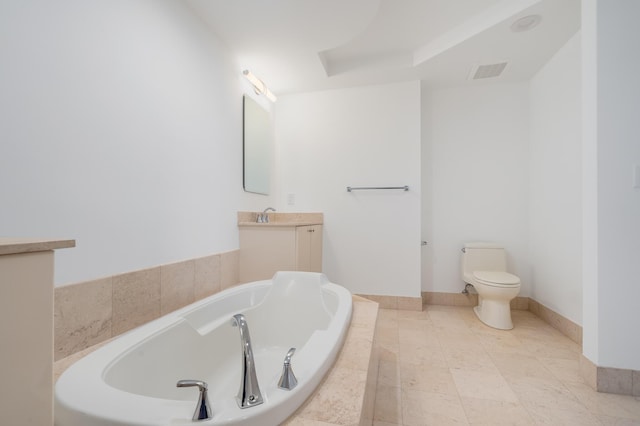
476, 174
555, 207
120, 125
368, 136
612, 94
590, 312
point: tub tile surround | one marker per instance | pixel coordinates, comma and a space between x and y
208, 278
90, 312
78, 325
347, 393
177, 285
136, 299
229, 269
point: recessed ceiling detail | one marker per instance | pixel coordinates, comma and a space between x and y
301, 46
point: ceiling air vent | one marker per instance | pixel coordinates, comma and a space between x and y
487, 71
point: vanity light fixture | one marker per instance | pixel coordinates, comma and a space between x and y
259, 86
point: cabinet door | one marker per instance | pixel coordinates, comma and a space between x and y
266, 250
309, 248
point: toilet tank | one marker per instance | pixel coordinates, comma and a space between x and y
483, 257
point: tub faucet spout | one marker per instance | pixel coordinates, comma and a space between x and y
249, 392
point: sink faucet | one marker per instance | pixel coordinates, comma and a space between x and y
249, 392
264, 216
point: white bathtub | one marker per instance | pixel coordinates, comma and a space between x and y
132, 380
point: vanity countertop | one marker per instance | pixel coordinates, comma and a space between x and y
277, 219
9, 245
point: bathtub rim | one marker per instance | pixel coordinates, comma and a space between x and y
120, 345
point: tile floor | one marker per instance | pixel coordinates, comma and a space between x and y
443, 366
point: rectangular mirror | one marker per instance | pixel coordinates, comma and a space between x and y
257, 146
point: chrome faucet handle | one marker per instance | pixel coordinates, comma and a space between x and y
288, 380
265, 214
203, 409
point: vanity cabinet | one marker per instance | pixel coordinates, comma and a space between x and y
268, 248
309, 248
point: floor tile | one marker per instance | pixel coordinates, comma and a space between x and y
565, 370
488, 412
512, 366
478, 384
617, 421
470, 359
557, 417
388, 406
536, 393
619, 406
427, 378
443, 366
389, 373
426, 408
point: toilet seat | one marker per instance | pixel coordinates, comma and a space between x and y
496, 279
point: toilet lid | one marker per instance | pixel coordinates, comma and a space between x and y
496, 278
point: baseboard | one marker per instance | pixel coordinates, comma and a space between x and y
565, 326
468, 299
396, 302
610, 380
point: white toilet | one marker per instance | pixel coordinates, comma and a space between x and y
484, 266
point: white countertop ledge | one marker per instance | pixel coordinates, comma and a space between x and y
11, 245
281, 219
278, 224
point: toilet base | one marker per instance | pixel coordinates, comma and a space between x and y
496, 314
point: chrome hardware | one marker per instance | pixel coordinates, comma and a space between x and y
424, 243
249, 393
264, 216
288, 380
466, 288
203, 409
352, 188
464, 250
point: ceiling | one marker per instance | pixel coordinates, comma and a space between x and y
307, 45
